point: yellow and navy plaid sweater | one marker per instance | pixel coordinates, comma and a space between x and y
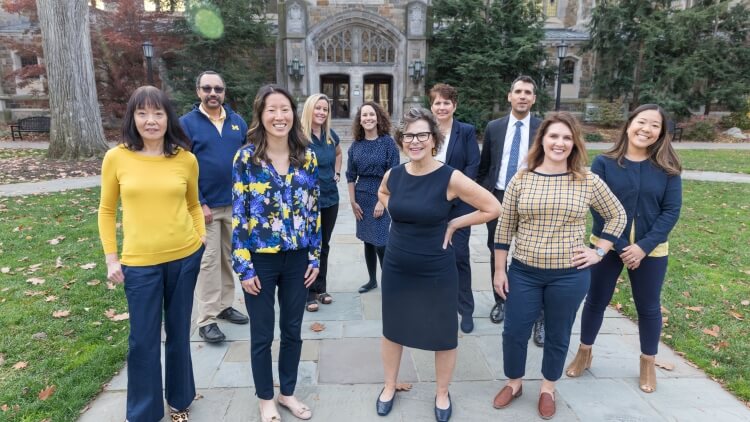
547, 214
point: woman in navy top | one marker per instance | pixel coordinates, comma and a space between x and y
316, 123
372, 154
643, 171
275, 240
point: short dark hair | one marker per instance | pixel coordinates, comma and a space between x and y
384, 121
446, 91
416, 114
257, 134
523, 78
208, 72
150, 96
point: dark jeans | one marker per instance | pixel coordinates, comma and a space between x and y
460, 243
327, 222
491, 225
151, 290
559, 293
646, 282
284, 271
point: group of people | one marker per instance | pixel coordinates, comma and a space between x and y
204, 197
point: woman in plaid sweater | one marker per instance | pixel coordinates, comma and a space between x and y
545, 208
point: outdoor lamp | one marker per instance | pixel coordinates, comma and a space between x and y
562, 52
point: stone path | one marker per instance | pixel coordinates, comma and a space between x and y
341, 374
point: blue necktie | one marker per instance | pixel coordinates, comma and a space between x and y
515, 150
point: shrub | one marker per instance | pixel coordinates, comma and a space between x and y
700, 129
593, 137
609, 114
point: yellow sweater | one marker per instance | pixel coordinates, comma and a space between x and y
162, 219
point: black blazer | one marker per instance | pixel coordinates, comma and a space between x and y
492, 150
463, 155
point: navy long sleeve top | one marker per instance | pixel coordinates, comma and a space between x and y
652, 200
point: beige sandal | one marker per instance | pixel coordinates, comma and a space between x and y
264, 418
580, 363
648, 374
300, 411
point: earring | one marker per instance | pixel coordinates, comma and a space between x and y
434, 151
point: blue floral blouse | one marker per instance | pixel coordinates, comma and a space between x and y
273, 213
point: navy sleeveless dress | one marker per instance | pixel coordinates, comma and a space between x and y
420, 280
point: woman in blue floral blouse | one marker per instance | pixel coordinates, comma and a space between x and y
275, 240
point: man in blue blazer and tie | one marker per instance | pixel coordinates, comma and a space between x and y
460, 151
504, 149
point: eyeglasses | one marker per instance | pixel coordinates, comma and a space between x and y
420, 137
207, 89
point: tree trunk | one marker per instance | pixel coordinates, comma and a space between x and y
636, 77
76, 125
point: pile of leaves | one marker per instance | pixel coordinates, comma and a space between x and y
31, 165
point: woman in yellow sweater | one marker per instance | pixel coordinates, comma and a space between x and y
155, 176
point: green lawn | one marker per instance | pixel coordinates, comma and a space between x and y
709, 271
76, 353
729, 161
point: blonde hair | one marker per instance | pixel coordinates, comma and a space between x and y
307, 117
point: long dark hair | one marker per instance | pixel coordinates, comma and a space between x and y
384, 122
256, 135
149, 96
577, 158
660, 152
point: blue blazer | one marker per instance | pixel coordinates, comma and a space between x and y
651, 198
492, 150
463, 155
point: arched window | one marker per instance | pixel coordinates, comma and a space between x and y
377, 49
548, 7
568, 71
373, 47
337, 48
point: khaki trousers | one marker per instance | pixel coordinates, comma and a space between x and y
215, 289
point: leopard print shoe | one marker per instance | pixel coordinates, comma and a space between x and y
180, 416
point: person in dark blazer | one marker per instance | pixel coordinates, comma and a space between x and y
496, 167
460, 150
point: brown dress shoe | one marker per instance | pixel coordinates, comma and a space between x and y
546, 406
506, 396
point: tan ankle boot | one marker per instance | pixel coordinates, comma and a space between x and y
648, 374
581, 362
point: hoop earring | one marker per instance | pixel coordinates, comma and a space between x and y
434, 151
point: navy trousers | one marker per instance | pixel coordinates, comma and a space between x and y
327, 222
559, 294
460, 243
645, 281
285, 272
166, 287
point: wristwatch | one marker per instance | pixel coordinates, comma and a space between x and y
601, 252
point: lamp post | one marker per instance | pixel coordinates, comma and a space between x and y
562, 52
148, 53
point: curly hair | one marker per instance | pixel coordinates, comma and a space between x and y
384, 121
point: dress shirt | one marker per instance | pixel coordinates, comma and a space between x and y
522, 152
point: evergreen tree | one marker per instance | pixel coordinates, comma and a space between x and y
480, 47
227, 36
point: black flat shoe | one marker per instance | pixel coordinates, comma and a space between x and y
384, 407
234, 316
443, 415
497, 315
367, 287
211, 333
467, 324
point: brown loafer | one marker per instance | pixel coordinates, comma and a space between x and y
506, 396
546, 406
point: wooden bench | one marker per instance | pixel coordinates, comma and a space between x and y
675, 130
39, 124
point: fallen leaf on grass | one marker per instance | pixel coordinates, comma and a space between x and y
694, 308
720, 345
746, 272
85, 409
35, 281
58, 262
64, 313
88, 266
686, 294
713, 331
93, 282
56, 241
47, 392
745, 303
20, 365
664, 365
33, 293
50, 298
665, 310
34, 268
111, 285
4, 408
120, 317
2, 359
39, 336
403, 386
5, 270
618, 306
738, 316
317, 327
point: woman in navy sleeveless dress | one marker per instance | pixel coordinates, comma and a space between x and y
420, 280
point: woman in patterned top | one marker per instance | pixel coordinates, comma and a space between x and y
643, 170
545, 207
275, 240
316, 123
372, 154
